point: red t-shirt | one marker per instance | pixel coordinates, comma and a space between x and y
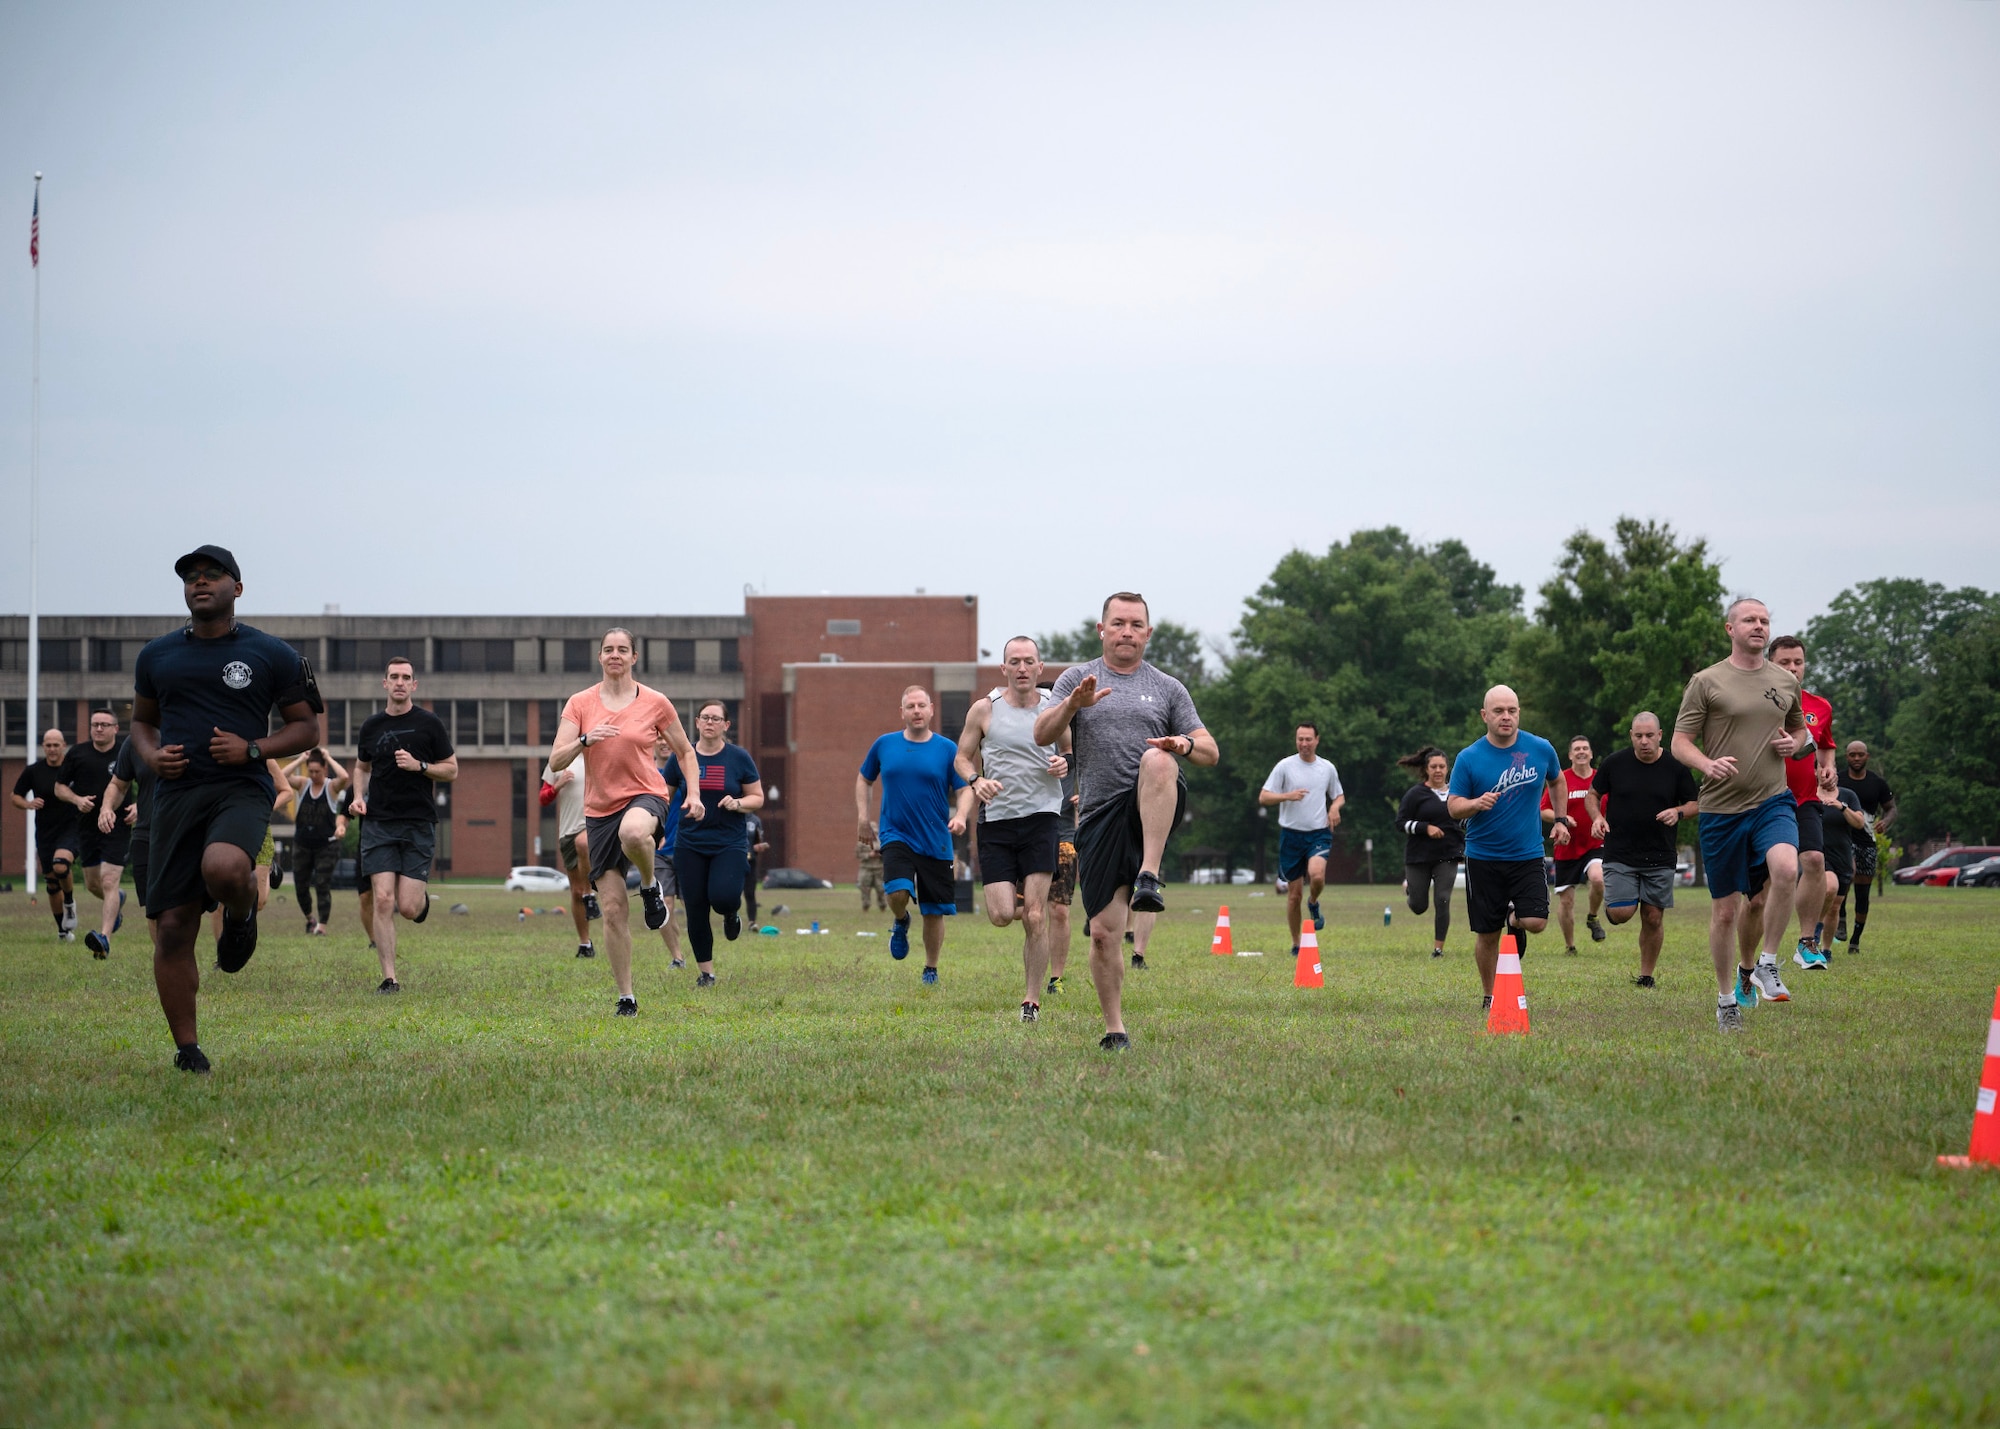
1581, 842
1802, 771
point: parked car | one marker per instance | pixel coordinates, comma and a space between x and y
793, 878
1222, 875
1984, 874
533, 878
1684, 872
1940, 870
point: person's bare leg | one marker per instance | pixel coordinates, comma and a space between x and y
1652, 937
1107, 960
176, 971
1002, 903
933, 938
1829, 913
1783, 861
636, 832
1566, 915
1727, 918
109, 875
1811, 894
1295, 902
412, 894
1486, 957
579, 884
1750, 927
382, 921
1035, 933
899, 904
1596, 888
1141, 925
670, 934
616, 905
1159, 777
1058, 938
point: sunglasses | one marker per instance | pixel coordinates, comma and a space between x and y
205, 573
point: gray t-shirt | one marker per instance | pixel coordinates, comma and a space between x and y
1319, 779
1109, 738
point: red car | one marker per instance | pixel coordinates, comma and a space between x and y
1940, 870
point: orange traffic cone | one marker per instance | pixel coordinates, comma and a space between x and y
1220, 944
1509, 1012
1985, 1114
1307, 972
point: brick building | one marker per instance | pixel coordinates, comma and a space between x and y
809, 681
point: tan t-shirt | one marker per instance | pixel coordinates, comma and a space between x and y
1732, 712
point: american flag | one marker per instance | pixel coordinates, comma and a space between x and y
35, 231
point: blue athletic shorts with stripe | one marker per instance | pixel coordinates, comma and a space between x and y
1734, 846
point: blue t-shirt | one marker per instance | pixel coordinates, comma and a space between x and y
917, 784
671, 829
231, 682
722, 773
1510, 831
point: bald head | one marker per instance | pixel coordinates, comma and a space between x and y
1646, 736
1501, 714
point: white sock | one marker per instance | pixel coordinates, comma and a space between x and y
653, 887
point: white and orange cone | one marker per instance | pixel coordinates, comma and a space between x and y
1220, 945
1509, 1012
1308, 972
1985, 1148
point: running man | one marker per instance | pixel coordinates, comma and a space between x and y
1436, 845
564, 789
1129, 722
319, 824
1018, 784
1578, 861
1062, 885
1635, 805
1878, 803
129, 775
102, 850
620, 722
1307, 791
925, 804
1496, 790
400, 756
201, 713
1846, 825
1805, 768
1739, 722
55, 830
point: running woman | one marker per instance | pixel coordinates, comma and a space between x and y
1496, 786
1635, 805
1739, 722
401, 755
564, 789
1878, 804
102, 851
1578, 861
319, 825
1307, 791
1436, 844
712, 856
1129, 722
1018, 784
56, 834
1805, 768
925, 804
620, 721
201, 716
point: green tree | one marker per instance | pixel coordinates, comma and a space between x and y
1173, 648
1873, 649
1947, 737
1620, 628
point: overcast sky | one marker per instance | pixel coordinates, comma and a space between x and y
586, 308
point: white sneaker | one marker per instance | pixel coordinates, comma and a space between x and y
69, 918
1768, 982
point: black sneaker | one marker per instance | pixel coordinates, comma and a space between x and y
427, 910
1486, 1003
1030, 1011
99, 945
1854, 943
1138, 962
1597, 933
705, 980
1128, 935
628, 1007
1570, 951
678, 963
190, 1059
1054, 988
1115, 1042
655, 899
585, 950
1437, 952
389, 984
237, 943
1644, 980
591, 910
1146, 894
732, 926
1840, 930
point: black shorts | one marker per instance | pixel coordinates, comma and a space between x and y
1839, 848
1110, 843
140, 853
1573, 872
607, 851
928, 879
46, 846
1062, 887
185, 821
1491, 888
1011, 849
404, 847
1812, 833
95, 848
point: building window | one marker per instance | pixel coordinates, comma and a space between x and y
336, 721
464, 723
732, 657
953, 706
492, 721
843, 627
576, 657
13, 655
107, 654
673, 657
59, 657
551, 713
520, 820
772, 710
772, 770
517, 721
475, 657
15, 733
56, 714
373, 656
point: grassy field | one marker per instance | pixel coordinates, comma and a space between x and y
817, 1194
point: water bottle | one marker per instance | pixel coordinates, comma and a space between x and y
1385, 915
815, 925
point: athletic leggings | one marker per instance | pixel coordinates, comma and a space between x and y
1428, 882
1860, 890
312, 876
708, 881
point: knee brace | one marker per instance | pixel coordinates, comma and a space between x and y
52, 882
59, 869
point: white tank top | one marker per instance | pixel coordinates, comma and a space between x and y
1022, 766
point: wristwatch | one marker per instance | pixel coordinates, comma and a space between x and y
253, 751
423, 766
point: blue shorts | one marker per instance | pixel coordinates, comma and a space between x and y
1733, 846
1297, 846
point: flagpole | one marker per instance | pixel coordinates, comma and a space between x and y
34, 516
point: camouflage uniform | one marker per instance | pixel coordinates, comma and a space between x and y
869, 856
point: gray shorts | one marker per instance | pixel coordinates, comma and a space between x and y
607, 855
404, 847
566, 846
1624, 886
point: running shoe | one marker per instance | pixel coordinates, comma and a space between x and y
586, 950
656, 905
1115, 1042
1728, 1017
427, 910
65, 936
1138, 962
121, 912
1768, 982
1486, 1003
311, 927
388, 985
678, 963
1597, 933
1437, 952
1319, 922
1854, 944
190, 1059
1570, 951
1146, 894
1840, 930
591, 908
1810, 958
319, 930
69, 916
99, 945
628, 1007
1295, 950
930, 977
1644, 980
1746, 990
1054, 989
732, 926
1030, 1011
237, 943
1128, 935
899, 938
705, 980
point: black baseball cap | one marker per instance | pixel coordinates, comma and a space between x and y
217, 554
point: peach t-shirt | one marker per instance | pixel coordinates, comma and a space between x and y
619, 770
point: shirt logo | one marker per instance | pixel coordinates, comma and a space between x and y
1775, 698
1517, 777
236, 675
712, 778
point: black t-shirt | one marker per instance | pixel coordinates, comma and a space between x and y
1840, 851
1871, 789
1633, 793
1424, 805
232, 682
139, 776
38, 781
393, 792
723, 773
87, 770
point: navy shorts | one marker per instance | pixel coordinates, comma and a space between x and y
1734, 846
1297, 847
187, 818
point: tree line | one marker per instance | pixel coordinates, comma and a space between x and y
1389, 644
